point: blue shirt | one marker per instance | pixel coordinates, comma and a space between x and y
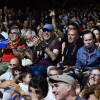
82, 58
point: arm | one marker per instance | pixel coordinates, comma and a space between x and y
53, 55
52, 14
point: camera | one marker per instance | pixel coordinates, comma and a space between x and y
3, 43
81, 70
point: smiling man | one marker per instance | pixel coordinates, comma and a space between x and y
63, 87
49, 53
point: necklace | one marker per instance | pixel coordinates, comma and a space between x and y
72, 53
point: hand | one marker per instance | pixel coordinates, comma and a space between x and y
33, 94
66, 68
21, 51
10, 43
91, 82
77, 71
36, 41
52, 13
86, 73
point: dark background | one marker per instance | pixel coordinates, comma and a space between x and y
49, 4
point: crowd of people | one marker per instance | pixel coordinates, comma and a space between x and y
50, 55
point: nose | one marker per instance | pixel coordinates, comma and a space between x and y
53, 89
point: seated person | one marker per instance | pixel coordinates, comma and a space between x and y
92, 87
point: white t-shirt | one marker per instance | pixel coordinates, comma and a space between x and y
24, 88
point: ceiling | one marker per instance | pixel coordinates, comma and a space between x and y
47, 4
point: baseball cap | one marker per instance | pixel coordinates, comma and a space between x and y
63, 78
48, 26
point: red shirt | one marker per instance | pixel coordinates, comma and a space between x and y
8, 54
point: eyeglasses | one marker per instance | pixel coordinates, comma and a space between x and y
44, 30
28, 39
13, 65
95, 74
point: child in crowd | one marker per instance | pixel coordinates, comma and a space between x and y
25, 77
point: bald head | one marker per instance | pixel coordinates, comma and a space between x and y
14, 62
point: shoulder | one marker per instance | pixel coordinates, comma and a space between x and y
79, 98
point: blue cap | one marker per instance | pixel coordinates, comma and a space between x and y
48, 26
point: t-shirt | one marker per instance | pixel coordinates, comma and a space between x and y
7, 75
24, 88
45, 60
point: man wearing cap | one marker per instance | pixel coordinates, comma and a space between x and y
63, 87
49, 53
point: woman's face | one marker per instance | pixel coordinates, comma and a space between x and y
95, 76
97, 34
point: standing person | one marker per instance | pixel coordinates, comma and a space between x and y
63, 87
48, 54
88, 57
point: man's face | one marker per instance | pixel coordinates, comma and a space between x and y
53, 72
88, 41
25, 24
91, 24
29, 40
47, 34
14, 35
59, 89
72, 36
13, 63
70, 27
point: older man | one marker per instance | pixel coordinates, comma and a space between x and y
63, 87
14, 42
49, 53
24, 52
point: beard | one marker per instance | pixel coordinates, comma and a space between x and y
30, 44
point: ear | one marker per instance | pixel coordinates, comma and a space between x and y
68, 87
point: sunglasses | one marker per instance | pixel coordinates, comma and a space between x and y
44, 30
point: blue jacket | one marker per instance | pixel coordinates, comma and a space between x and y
82, 58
